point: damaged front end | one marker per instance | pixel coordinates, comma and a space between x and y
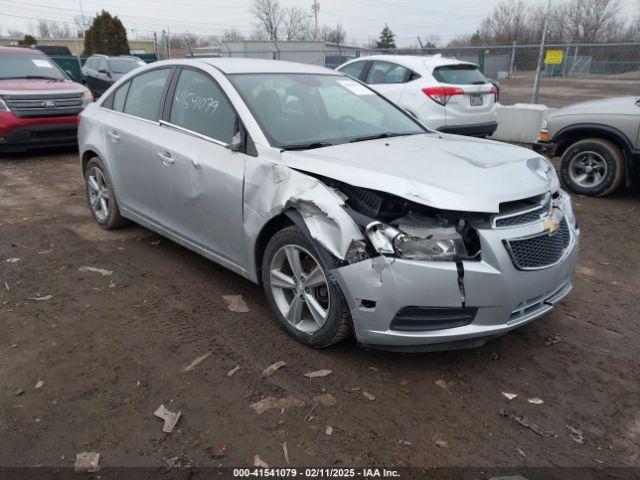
419, 278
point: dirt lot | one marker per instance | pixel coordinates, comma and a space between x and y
111, 349
559, 92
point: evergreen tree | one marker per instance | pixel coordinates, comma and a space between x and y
387, 38
106, 35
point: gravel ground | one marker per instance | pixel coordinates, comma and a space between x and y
109, 349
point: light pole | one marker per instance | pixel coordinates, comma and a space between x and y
536, 80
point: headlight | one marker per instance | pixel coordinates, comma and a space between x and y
382, 237
543, 168
443, 244
87, 98
3, 106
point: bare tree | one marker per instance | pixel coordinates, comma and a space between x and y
232, 35
296, 23
335, 34
586, 20
269, 17
52, 29
13, 33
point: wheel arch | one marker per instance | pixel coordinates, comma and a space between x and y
85, 157
581, 131
269, 229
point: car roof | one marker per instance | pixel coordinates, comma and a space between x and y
21, 50
256, 65
417, 61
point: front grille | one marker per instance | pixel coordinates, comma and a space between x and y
58, 105
540, 251
528, 216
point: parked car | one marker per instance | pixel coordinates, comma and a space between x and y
39, 104
350, 213
599, 142
100, 71
53, 50
443, 93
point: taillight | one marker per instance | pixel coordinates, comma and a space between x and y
494, 92
442, 95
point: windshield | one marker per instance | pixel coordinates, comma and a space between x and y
124, 65
319, 110
459, 75
18, 65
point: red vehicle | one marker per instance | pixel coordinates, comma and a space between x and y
39, 103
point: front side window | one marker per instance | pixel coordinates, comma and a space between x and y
102, 65
145, 94
353, 70
300, 109
461, 74
200, 106
21, 65
386, 72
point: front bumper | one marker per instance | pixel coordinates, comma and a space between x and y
547, 149
39, 136
472, 130
503, 296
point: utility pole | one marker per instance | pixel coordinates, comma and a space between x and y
315, 8
536, 80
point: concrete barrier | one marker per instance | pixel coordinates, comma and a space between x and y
520, 122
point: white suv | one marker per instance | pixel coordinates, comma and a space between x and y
443, 93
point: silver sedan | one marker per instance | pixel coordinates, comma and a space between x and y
352, 215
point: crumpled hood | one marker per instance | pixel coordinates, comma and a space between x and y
449, 172
38, 86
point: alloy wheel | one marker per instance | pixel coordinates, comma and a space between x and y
98, 194
588, 169
300, 288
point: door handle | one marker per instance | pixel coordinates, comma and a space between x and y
113, 135
167, 159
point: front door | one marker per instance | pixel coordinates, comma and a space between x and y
200, 179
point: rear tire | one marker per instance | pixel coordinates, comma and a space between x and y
286, 288
101, 197
592, 167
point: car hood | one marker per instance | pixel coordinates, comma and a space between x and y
38, 86
617, 105
448, 172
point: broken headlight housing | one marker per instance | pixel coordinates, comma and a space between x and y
429, 243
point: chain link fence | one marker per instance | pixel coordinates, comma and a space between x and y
569, 72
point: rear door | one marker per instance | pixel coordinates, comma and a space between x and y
476, 102
131, 131
389, 79
200, 178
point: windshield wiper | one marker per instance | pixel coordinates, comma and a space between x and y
380, 135
32, 77
305, 146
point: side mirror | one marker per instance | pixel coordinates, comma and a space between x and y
238, 140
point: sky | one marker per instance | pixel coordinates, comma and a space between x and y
362, 19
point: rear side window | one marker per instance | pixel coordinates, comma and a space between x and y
353, 70
120, 96
145, 94
200, 106
459, 75
386, 72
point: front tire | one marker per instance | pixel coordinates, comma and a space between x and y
592, 167
101, 197
309, 306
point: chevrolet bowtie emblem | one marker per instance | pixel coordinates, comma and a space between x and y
551, 225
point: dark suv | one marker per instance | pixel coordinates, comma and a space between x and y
101, 71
